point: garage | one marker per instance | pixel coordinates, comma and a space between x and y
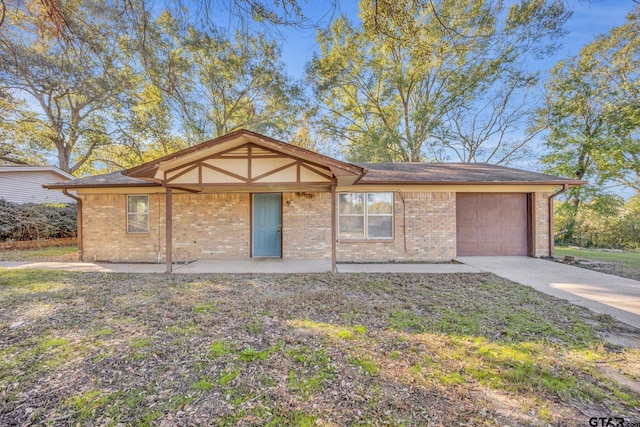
491, 224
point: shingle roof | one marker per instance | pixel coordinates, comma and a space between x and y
452, 173
379, 173
113, 179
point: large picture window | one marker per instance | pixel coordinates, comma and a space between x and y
137, 214
365, 216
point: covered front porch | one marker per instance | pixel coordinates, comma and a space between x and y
282, 195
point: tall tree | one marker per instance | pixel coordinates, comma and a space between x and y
67, 89
592, 109
616, 61
59, 18
216, 85
395, 86
592, 114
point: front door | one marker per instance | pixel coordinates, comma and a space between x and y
267, 226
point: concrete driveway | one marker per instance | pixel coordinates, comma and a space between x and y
602, 293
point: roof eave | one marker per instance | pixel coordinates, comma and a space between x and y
70, 187
570, 183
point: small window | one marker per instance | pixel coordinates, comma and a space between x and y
365, 216
137, 214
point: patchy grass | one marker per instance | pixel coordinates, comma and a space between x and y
304, 350
624, 264
59, 253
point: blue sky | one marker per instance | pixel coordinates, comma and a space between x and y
590, 18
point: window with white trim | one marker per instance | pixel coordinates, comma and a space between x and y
365, 216
137, 214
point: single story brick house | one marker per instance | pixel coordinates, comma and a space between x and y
245, 195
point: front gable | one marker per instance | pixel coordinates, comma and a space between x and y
247, 164
244, 161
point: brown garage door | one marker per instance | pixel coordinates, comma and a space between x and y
491, 224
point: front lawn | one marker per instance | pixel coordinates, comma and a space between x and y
304, 350
53, 253
624, 263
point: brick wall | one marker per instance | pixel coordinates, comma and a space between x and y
211, 226
217, 226
306, 225
205, 226
104, 223
424, 230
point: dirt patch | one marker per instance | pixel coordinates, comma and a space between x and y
618, 376
603, 267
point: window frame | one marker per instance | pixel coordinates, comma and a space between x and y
365, 215
129, 214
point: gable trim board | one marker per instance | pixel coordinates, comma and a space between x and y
201, 206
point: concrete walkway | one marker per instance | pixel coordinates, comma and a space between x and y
602, 293
251, 266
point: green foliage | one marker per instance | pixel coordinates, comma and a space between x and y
216, 84
249, 354
367, 365
202, 385
205, 308
229, 376
603, 222
396, 86
70, 93
37, 221
592, 114
220, 348
312, 373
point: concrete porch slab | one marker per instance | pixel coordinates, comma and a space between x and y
84, 267
254, 266
250, 266
407, 268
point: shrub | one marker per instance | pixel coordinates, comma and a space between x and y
604, 222
37, 221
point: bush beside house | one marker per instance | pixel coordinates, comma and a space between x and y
37, 221
607, 222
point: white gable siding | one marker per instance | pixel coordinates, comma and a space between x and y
26, 187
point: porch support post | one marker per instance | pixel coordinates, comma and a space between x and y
169, 228
334, 240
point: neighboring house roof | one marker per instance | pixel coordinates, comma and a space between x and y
150, 174
30, 168
23, 184
453, 173
113, 179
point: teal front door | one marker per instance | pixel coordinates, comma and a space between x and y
267, 227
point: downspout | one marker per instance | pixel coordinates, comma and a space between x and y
79, 225
404, 220
565, 187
